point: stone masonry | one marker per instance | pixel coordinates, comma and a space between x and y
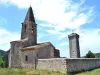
74, 45
70, 65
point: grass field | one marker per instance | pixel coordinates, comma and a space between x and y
8, 71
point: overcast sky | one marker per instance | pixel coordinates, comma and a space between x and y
55, 19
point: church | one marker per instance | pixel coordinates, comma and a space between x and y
27, 53
24, 52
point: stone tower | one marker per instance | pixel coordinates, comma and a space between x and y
29, 28
74, 45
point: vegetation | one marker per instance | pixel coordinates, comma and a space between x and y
90, 55
97, 55
2, 59
5, 71
2, 53
2, 62
9, 71
92, 72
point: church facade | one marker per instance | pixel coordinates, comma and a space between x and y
25, 52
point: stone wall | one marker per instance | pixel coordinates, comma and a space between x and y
53, 64
46, 51
68, 65
15, 54
31, 58
82, 64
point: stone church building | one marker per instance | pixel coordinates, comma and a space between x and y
25, 52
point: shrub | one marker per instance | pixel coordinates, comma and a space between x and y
90, 55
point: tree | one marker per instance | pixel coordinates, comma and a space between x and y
90, 55
2, 62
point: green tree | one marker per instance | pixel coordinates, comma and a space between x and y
2, 62
90, 55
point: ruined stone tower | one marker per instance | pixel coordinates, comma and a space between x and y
74, 45
29, 28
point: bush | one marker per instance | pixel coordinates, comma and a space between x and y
90, 55
2, 62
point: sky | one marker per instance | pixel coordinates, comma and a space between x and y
55, 20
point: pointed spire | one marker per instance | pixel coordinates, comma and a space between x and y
29, 15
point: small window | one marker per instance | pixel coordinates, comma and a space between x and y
26, 58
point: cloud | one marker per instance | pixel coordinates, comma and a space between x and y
6, 37
68, 15
64, 15
61, 13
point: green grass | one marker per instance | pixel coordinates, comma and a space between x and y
5, 71
92, 72
14, 71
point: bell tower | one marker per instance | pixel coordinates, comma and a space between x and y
29, 28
